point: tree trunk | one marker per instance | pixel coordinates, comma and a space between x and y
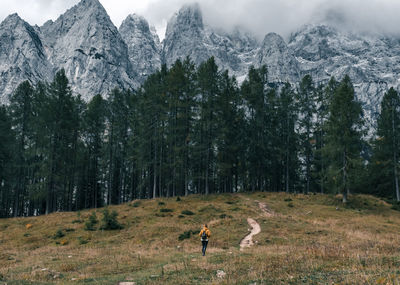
155, 172
396, 181
396, 178
207, 191
345, 190
322, 161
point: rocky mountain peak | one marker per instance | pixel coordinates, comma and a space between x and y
22, 56
144, 46
88, 12
98, 57
280, 61
91, 4
135, 23
273, 41
12, 19
189, 18
85, 42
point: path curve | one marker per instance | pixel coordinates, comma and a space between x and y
265, 209
247, 241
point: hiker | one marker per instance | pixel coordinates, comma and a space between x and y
204, 234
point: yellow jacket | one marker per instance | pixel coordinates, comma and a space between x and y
208, 233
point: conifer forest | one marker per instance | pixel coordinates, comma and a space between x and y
192, 130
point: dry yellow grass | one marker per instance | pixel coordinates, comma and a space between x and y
314, 240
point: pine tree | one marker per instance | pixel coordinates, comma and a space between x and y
94, 127
288, 145
387, 145
229, 122
208, 77
255, 97
7, 143
323, 97
150, 149
61, 122
180, 97
21, 112
306, 103
117, 138
344, 136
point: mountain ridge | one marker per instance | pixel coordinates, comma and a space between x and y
98, 57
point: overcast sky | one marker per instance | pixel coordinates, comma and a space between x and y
259, 16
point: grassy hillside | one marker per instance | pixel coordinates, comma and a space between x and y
311, 239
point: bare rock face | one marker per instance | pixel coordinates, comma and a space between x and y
372, 62
144, 47
187, 35
280, 60
22, 56
98, 57
89, 47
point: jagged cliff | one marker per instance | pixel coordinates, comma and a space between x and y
98, 57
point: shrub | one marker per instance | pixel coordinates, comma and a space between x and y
230, 202
288, 200
90, 224
396, 206
290, 205
69, 230
161, 203
27, 234
222, 216
185, 235
178, 199
187, 213
181, 216
78, 220
166, 210
210, 208
58, 234
109, 221
82, 241
136, 204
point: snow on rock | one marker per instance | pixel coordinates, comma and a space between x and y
98, 57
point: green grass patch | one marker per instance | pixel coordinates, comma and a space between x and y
188, 234
187, 213
166, 210
59, 234
90, 224
210, 209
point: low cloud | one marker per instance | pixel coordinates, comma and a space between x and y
258, 16
286, 16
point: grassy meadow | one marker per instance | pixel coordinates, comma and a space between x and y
311, 239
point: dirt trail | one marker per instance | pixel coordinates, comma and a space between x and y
247, 241
267, 211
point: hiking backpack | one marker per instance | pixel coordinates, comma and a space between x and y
204, 235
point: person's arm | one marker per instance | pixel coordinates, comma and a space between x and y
208, 233
201, 232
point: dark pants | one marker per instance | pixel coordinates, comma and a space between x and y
204, 242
